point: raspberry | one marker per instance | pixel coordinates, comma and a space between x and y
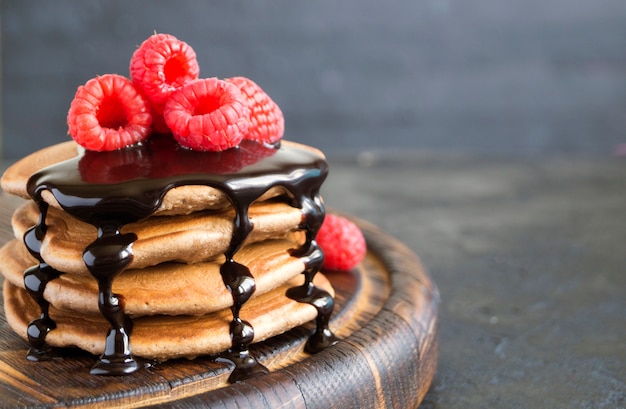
108, 113
208, 114
267, 124
161, 65
342, 242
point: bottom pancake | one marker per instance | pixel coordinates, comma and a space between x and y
163, 337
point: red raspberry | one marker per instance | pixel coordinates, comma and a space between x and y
161, 65
208, 115
342, 242
266, 119
108, 113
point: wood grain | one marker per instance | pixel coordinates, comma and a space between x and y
385, 316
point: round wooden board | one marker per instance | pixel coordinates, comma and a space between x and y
385, 317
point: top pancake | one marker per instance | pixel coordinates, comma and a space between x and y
179, 200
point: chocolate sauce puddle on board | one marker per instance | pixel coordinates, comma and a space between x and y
112, 189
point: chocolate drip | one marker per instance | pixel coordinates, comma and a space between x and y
105, 258
241, 284
313, 257
35, 280
112, 189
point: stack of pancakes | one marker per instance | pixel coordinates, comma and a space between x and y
172, 289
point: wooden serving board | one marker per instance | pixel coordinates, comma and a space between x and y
385, 317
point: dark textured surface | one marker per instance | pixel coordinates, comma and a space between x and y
529, 259
504, 76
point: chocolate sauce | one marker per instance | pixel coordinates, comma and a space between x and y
112, 189
35, 280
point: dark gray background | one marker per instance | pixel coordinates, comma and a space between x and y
488, 76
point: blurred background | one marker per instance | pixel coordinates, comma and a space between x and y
503, 77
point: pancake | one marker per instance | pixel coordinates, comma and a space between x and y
179, 200
167, 337
190, 238
167, 288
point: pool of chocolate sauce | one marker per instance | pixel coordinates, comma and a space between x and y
112, 189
